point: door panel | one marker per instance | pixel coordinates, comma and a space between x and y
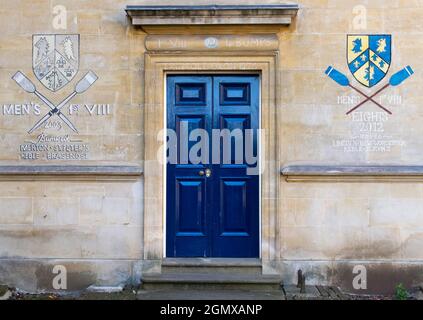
185, 125
191, 93
233, 211
190, 201
189, 101
233, 123
236, 194
216, 215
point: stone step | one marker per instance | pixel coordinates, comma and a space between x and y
212, 265
208, 281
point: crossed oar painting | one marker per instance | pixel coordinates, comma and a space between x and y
369, 58
80, 87
395, 80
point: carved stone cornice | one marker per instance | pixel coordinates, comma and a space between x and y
69, 172
280, 14
352, 173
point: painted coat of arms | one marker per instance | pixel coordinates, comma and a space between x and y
369, 57
55, 59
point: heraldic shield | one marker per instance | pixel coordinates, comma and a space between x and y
369, 57
55, 59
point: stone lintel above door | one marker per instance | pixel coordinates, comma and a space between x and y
212, 43
240, 15
212, 28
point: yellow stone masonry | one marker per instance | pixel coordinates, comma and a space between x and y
333, 223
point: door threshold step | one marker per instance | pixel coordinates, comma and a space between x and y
212, 265
211, 280
211, 262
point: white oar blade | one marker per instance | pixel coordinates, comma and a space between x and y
86, 82
66, 120
40, 122
24, 82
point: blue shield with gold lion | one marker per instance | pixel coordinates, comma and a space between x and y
369, 57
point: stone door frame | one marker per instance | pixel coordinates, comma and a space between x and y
157, 66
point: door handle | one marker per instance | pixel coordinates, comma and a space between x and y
206, 172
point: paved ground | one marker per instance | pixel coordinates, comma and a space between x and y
211, 295
286, 293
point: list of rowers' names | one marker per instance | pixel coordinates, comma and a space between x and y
51, 142
368, 134
54, 147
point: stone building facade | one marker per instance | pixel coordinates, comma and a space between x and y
85, 186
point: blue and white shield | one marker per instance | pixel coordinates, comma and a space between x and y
369, 57
55, 59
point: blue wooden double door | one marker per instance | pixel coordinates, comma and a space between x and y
212, 207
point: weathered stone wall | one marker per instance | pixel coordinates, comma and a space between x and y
92, 227
325, 228
108, 46
340, 225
